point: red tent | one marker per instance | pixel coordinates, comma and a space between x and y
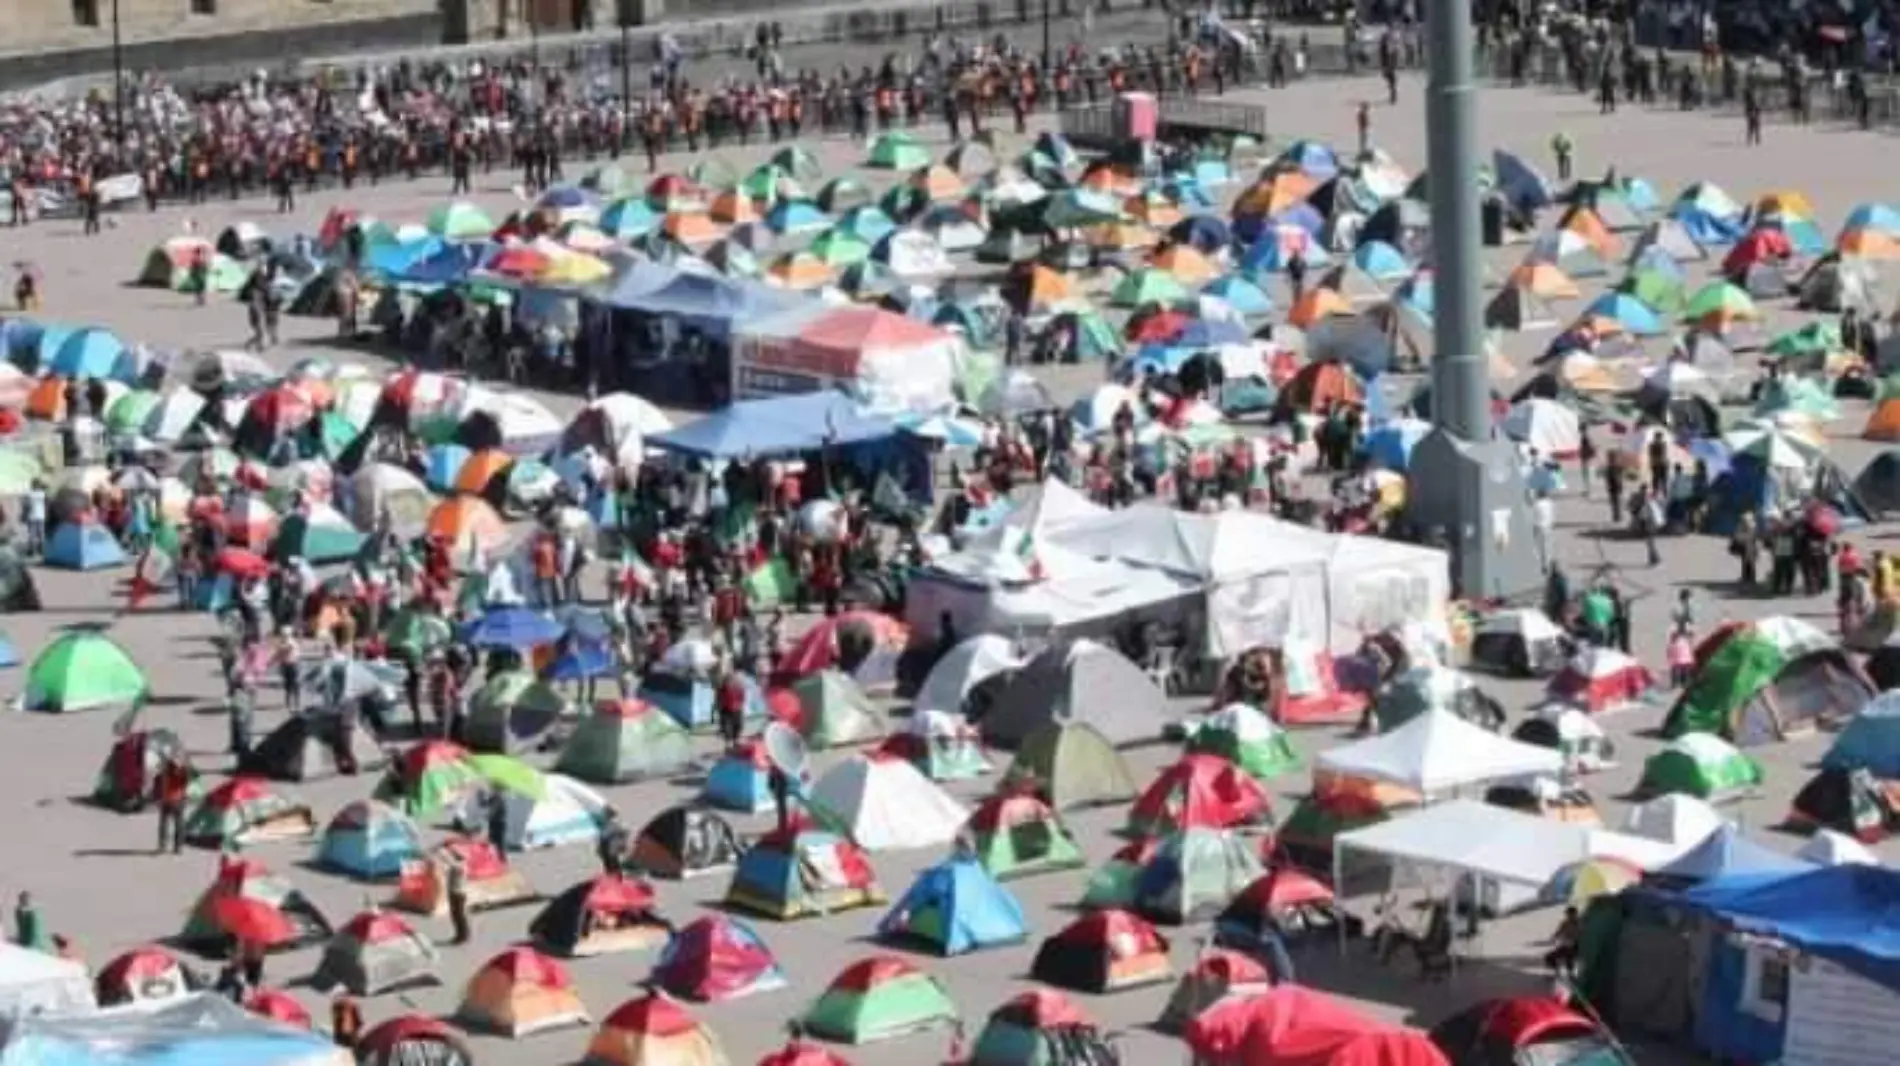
412, 1038
141, 975
799, 1053
1495, 1032
1762, 245
1199, 792
278, 1007
1294, 1026
716, 958
1103, 951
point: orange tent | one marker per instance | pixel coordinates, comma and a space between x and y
799, 270
1585, 223
469, 525
1544, 279
1320, 385
1187, 265
1043, 287
1275, 193
1884, 422
1103, 176
48, 399
1316, 304
1870, 244
937, 181
480, 470
692, 228
732, 206
1122, 235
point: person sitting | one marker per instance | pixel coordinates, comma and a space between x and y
1562, 956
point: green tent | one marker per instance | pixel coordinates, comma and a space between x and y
1720, 301
843, 194
878, 998
798, 161
898, 151
511, 712
1308, 831
427, 778
769, 184
626, 740
1072, 765
1803, 396
903, 202
321, 535
1657, 290
1112, 885
1194, 874
837, 248
610, 182
1806, 348
1074, 208
1015, 834
127, 414
222, 274
81, 670
1149, 285
836, 711
460, 221
712, 172
1766, 680
1247, 738
1701, 765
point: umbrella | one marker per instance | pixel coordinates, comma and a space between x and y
513, 627
510, 773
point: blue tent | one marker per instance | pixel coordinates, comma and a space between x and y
83, 546
1640, 195
789, 215
1870, 741
565, 198
87, 353
631, 217
1212, 173
1849, 914
1418, 293
512, 627
692, 702
9, 654
20, 342
1240, 294
391, 260
954, 908
369, 840
1316, 159
781, 425
447, 265
1632, 314
1205, 233
1704, 228
1519, 182
740, 781
1391, 444
1653, 257
1188, 192
1270, 255
1804, 236
866, 222
1382, 261
1878, 217
442, 464
1727, 853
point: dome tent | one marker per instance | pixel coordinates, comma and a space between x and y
1700, 765
1013, 833
1081, 682
491, 882
954, 908
1072, 765
1217, 976
600, 916
886, 804
800, 872
369, 839
309, 746
1764, 680
682, 842
1198, 792
277, 906
625, 740
1247, 738
717, 958
374, 953
1104, 951
1040, 1027
653, 1030
878, 998
244, 811
1194, 874
518, 993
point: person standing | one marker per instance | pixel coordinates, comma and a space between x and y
455, 887
1363, 119
1562, 149
346, 1022
29, 928
613, 845
497, 828
172, 786
240, 713
286, 656
1751, 114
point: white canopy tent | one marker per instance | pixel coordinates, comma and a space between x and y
1438, 753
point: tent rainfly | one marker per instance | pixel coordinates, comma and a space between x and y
1437, 753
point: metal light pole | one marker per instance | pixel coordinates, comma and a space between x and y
118, 81
625, 8
1459, 401
1045, 36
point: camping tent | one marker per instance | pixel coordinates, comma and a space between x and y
244, 811
878, 998
1701, 765
373, 953
518, 993
740, 780
953, 908
1013, 833
1217, 976
203, 1028
800, 872
653, 1030
1871, 739
1193, 875
685, 842
609, 913
885, 803
1766, 680
1438, 752
1198, 792
1081, 682
1103, 951
716, 958
625, 740
874, 354
1039, 1027
1072, 765
409, 1039
490, 881
1248, 738
80, 670
305, 747
369, 839
1524, 1031
34, 983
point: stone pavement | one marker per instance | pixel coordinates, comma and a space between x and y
97, 884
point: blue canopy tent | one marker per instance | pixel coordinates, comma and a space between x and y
512, 627
641, 317
391, 260
808, 422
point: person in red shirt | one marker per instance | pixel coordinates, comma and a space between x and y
731, 707
173, 786
547, 569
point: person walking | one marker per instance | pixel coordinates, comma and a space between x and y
1751, 114
29, 928
1562, 149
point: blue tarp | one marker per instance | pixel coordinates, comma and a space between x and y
1870, 742
204, 1030
390, 260
447, 265
1520, 183
715, 302
641, 278
512, 627
1848, 913
780, 425
1706, 229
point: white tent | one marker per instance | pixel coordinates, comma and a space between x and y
1551, 429
204, 1028
913, 254
1438, 752
1466, 836
1677, 820
886, 804
33, 982
1831, 848
567, 812
967, 665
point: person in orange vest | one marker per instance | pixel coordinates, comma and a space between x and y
349, 162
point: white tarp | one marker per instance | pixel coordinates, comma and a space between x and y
1475, 838
33, 982
1374, 584
1838, 1018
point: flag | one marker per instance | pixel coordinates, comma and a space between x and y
1026, 553
157, 569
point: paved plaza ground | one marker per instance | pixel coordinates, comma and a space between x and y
97, 883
